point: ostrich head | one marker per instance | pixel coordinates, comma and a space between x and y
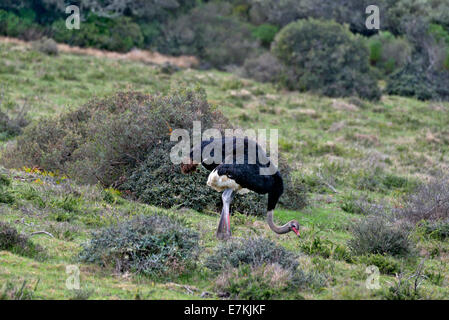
294, 226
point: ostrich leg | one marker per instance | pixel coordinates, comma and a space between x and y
224, 226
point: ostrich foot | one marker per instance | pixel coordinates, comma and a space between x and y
224, 235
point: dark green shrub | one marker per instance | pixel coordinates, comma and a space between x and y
6, 196
326, 58
125, 35
121, 34
380, 181
326, 249
4, 181
386, 264
23, 27
416, 80
253, 251
161, 183
388, 52
265, 33
376, 235
438, 230
352, 204
155, 245
12, 240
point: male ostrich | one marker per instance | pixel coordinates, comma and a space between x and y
229, 176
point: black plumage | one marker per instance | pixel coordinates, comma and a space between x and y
241, 160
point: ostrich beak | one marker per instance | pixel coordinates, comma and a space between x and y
296, 231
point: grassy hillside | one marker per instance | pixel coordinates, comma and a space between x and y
343, 150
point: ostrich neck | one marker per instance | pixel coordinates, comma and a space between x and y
279, 230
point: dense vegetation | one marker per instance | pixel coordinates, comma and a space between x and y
372, 174
411, 53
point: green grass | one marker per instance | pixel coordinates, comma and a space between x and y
353, 147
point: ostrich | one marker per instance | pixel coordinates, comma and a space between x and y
231, 176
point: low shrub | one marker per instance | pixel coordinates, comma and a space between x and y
253, 251
386, 264
430, 202
259, 269
352, 204
376, 235
265, 282
438, 230
407, 287
379, 181
18, 291
253, 283
12, 125
326, 249
267, 68
155, 245
12, 240
389, 53
211, 33
120, 34
416, 80
46, 45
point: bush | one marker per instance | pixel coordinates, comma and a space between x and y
386, 264
210, 33
155, 245
265, 282
430, 202
326, 249
23, 27
267, 68
259, 269
17, 291
105, 140
46, 45
11, 126
389, 53
326, 58
407, 287
438, 230
265, 33
120, 34
416, 80
377, 236
13, 241
253, 251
